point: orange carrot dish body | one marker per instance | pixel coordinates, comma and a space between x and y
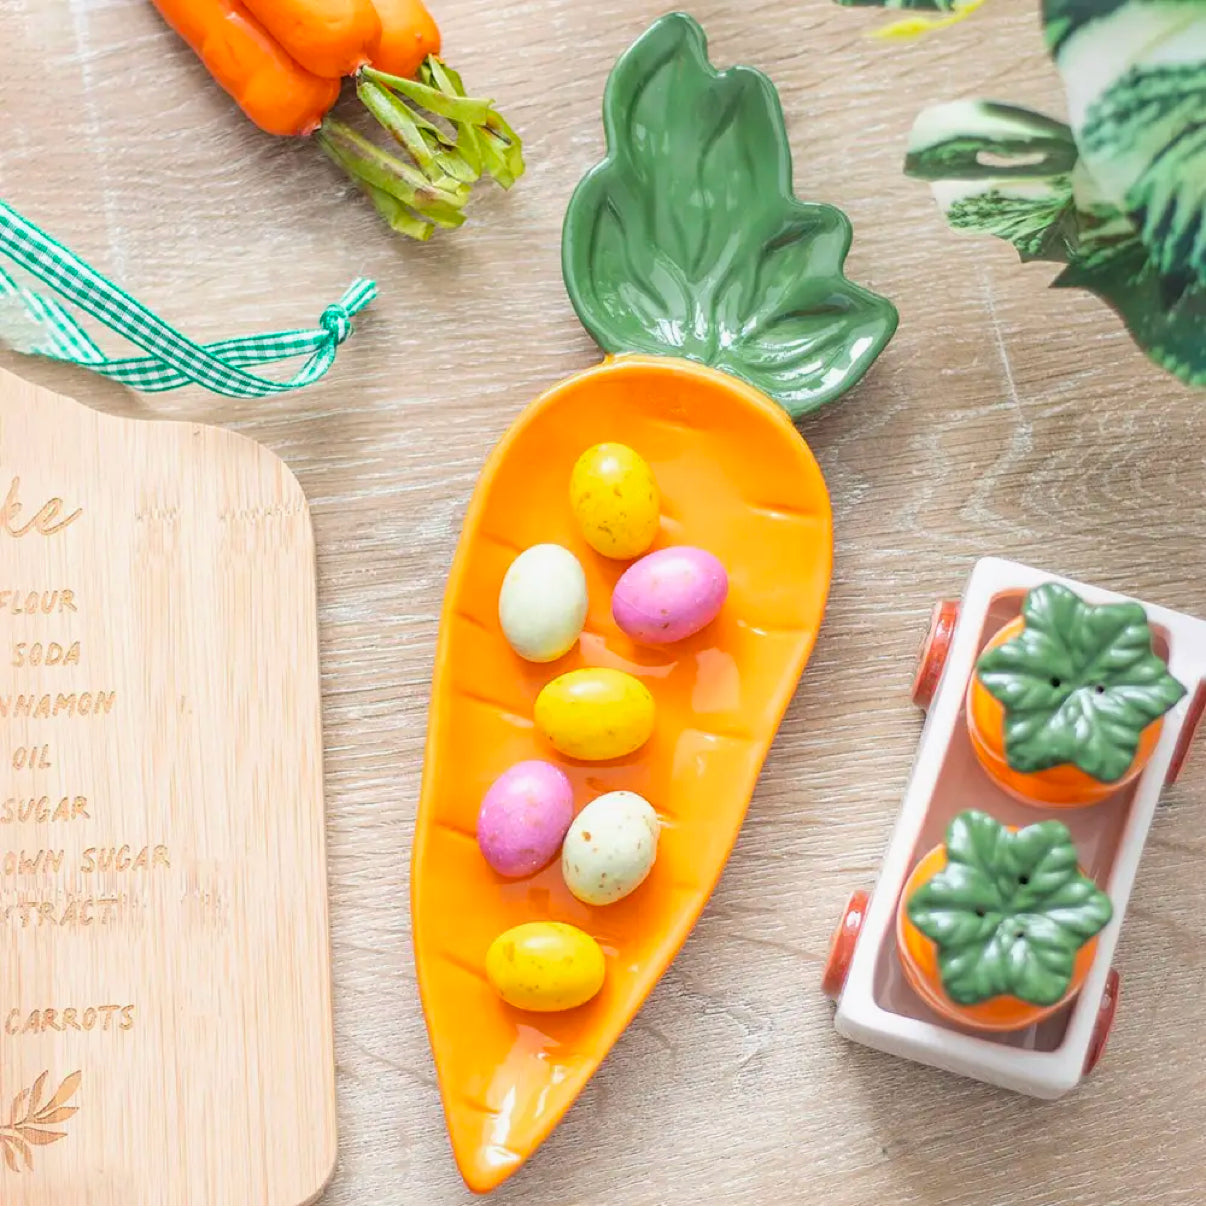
284, 61
640, 579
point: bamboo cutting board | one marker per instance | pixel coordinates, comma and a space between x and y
165, 1012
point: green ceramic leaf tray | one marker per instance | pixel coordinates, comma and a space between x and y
687, 240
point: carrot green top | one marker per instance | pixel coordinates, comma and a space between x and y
1009, 911
687, 239
1079, 684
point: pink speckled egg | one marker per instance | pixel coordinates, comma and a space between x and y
669, 595
524, 817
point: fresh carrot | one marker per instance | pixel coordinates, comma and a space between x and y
275, 91
331, 38
409, 36
283, 61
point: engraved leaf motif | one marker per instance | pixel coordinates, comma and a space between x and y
27, 1127
58, 1115
687, 239
35, 1094
62, 1094
35, 1135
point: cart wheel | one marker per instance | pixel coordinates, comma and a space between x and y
1105, 1020
934, 649
1192, 719
841, 946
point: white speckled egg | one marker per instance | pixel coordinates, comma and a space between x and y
542, 605
610, 848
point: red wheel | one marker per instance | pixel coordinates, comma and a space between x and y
934, 649
1196, 707
841, 946
1105, 1020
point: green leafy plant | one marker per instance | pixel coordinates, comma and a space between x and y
1079, 684
1117, 195
949, 12
688, 241
1009, 912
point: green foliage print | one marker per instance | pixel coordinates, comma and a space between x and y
1063, 18
932, 6
1024, 195
1009, 912
1118, 195
931, 14
1079, 684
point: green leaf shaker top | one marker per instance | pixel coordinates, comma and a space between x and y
1009, 912
1079, 684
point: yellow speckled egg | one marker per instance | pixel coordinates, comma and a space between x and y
545, 966
595, 714
615, 501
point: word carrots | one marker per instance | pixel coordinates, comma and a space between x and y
283, 61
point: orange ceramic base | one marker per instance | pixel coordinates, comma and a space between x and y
843, 943
919, 959
931, 659
1064, 787
736, 479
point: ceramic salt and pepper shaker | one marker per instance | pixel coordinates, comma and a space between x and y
986, 947
1067, 703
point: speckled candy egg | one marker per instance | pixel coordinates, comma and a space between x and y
542, 604
615, 500
610, 848
524, 817
545, 966
595, 714
669, 595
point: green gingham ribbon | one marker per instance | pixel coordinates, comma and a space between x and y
47, 329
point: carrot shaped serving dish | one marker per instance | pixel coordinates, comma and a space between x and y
640, 580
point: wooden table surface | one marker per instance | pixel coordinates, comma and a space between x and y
1004, 418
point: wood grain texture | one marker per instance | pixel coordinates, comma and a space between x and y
1003, 418
163, 902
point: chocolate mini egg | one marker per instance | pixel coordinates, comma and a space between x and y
524, 817
615, 500
610, 848
669, 595
542, 604
545, 966
595, 714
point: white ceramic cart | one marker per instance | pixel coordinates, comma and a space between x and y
875, 1003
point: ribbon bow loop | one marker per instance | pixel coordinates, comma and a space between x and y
336, 322
39, 325
336, 319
